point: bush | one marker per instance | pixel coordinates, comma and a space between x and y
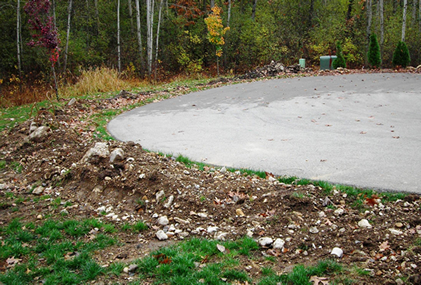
401, 55
340, 60
373, 55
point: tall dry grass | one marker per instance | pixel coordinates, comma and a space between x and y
97, 80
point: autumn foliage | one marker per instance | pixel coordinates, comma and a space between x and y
216, 30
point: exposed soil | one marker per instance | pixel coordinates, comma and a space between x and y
213, 203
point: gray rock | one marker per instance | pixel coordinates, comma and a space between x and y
163, 221
132, 267
161, 235
265, 241
159, 195
314, 230
39, 134
99, 150
117, 155
339, 212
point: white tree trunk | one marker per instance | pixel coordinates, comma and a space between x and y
66, 49
229, 13
381, 24
118, 36
18, 36
139, 35
131, 15
149, 29
157, 32
405, 5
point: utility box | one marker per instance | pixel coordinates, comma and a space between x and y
302, 63
327, 61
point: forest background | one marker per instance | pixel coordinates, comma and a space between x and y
158, 39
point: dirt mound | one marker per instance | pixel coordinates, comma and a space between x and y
121, 183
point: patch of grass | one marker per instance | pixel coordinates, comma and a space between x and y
287, 179
109, 228
2, 164
232, 274
140, 226
16, 166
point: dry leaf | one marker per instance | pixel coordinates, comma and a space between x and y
12, 261
384, 246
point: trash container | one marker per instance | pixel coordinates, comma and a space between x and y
326, 61
302, 63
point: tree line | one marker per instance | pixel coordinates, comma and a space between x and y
158, 38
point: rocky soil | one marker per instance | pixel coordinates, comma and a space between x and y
119, 182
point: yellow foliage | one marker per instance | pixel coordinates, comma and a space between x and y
216, 30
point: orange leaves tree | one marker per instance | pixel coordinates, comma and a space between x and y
216, 31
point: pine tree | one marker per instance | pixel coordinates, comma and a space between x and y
373, 55
340, 60
401, 55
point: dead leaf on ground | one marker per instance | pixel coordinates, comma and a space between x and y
12, 261
384, 246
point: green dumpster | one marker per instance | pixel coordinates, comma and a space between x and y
326, 61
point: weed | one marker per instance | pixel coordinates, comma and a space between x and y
287, 180
109, 228
298, 195
9, 195
232, 274
2, 164
271, 258
268, 271
16, 166
202, 198
140, 226
116, 268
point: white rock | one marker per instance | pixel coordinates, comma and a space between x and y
314, 230
212, 229
159, 195
117, 155
265, 241
364, 223
163, 220
155, 215
202, 215
38, 190
322, 214
339, 212
223, 170
395, 232
132, 267
141, 176
337, 251
161, 235
278, 243
181, 221
100, 149
220, 236
39, 133
169, 202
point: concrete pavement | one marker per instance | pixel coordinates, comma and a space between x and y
358, 129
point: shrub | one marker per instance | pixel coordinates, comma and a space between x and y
401, 55
373, 55
340, 60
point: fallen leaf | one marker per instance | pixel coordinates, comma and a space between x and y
363, 133
12, 261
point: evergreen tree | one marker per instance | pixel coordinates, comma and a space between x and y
401, 55
373, 55
340, 60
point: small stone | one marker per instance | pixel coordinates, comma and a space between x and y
322, 214
212, 229
395, 232
186, 172
278, 243
399, 225
337, 251
39, 133
71, 102
142, 176
161, 235
99, 150
64, 212
399, 281
38, 190
159, 195
220, 236
265, 241
239, 212
116, 155
313, 230
339, 212
132, 267
163, 221
364, 223
39, 217
169, 202
223, 170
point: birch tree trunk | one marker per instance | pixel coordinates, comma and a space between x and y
369, 18
405, 5
149, 29
118, 36
139, 35
212, 3
131, 15
157, 33
229, 13
18, 36
381, 4
66, 49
